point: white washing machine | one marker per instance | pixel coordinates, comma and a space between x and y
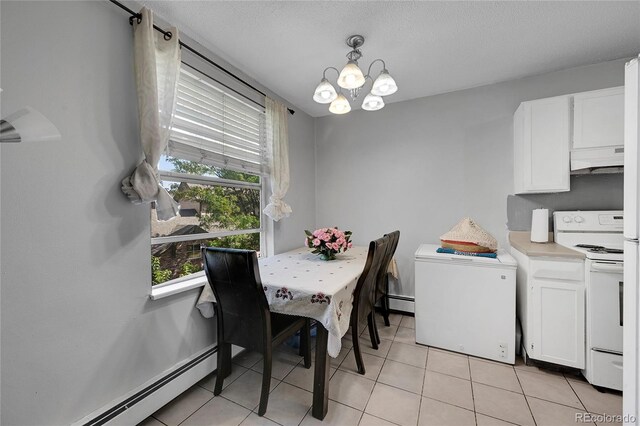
466, 304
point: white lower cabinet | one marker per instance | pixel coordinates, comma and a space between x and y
557, 313
551, 307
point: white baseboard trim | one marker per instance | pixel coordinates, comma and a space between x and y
137, 405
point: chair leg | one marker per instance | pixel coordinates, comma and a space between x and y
266, 382
226, 353
385, 304
375, 327
372, 332
356, 346
224, 366
305, 343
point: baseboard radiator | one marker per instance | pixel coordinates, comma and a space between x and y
401, 304
143, 402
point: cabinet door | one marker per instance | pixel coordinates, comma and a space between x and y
598, 118
541, 137
558, 322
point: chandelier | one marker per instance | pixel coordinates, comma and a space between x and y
351, 78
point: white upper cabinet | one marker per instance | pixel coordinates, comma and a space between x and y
554, 136
598, 129
598, 118
542, 135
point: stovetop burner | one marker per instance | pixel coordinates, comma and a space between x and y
600, 249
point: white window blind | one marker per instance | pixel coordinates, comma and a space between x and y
215, 128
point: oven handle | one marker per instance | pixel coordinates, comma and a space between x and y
621, 301
607, 267
606, 351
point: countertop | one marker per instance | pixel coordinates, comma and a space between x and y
521, 241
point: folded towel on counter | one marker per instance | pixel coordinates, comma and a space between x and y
466, 253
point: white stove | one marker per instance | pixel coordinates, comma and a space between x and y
598, 235
598, 252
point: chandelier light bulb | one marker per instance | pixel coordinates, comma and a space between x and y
340, 105
325, 92
351, 76
384, 85
372, 103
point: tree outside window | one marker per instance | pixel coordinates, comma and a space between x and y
211, 208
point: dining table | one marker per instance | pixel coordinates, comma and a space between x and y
299, 283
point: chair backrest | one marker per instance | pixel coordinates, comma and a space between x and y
381, 285
364, 294
241, 306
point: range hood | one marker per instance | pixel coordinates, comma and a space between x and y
592, 158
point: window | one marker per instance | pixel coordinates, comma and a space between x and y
215, 169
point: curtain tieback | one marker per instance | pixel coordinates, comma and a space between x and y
143, 187
277, 208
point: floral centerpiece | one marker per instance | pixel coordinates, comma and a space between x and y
327, 242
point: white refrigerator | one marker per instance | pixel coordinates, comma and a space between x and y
631, 307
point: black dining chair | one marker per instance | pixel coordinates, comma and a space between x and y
364, 296
243, 314
382, 281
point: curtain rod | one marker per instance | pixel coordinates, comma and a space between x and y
168, 35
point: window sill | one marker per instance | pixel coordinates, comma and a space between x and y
165, 290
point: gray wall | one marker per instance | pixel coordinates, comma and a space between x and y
78, 328
588, 192
289, 232
420, 166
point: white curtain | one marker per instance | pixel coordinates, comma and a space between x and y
278, 157
157, 64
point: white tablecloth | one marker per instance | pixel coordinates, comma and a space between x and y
300, 283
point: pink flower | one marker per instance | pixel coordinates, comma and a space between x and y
328, 240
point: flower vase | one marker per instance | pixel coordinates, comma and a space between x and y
328, 256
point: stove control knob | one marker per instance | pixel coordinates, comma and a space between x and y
566, 219
579, 219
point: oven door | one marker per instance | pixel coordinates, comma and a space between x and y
604, 311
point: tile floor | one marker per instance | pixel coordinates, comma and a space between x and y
405, 384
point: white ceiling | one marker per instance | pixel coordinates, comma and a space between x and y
429, 47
